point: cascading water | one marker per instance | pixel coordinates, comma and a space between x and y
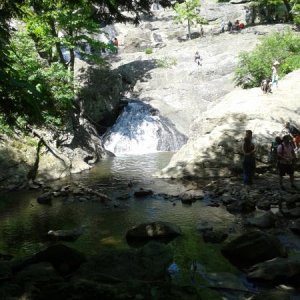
140, 129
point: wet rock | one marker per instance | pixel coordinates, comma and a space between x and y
224, 280
292, 198
228, 199
214, 236
154, 230
5, 270
263, 205
147, 263
143, 193
253, 247
266, 220
272, 295
192, 195
38, 276
276, 269
4, 257
291, 213
64, 259
294, 225
241, 206
45, 198
66, 235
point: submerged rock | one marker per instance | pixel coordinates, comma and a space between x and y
67, 235
277, 268
154, 230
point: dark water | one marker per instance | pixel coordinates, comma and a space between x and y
24, 223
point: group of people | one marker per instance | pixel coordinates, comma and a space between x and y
236, 26
286, 149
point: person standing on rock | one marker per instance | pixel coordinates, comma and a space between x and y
198, 58
249, 158
116, 44
201, 31
247, 16
286, 160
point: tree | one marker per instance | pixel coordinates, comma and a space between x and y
189, 11
36, 79
295, 11
271, 11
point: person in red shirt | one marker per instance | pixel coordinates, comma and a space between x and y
116, 43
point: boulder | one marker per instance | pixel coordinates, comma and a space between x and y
45, 198
266, 220
253, 247
241, 207
64, 259
143, 193
111, 266
214, 236
276, 269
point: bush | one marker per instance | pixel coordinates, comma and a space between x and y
148, 50
255, 66
166, 62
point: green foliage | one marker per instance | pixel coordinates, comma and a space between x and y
296, 12
50, 88
189, 11
255, 66
36, 82
166, 62
148, 50
4, 127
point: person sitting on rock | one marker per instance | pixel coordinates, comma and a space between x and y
286, 160
266, 86
198, 58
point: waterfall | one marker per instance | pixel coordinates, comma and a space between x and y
140, 129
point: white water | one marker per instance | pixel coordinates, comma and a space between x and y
140, 130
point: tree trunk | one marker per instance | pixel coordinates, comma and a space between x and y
57, 44
288, 8
189, 28
72, 60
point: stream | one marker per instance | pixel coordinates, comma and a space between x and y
24, 223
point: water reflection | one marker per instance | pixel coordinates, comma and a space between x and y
24, 223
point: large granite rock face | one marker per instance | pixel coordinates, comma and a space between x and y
168, 78
214, 146
99, 97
